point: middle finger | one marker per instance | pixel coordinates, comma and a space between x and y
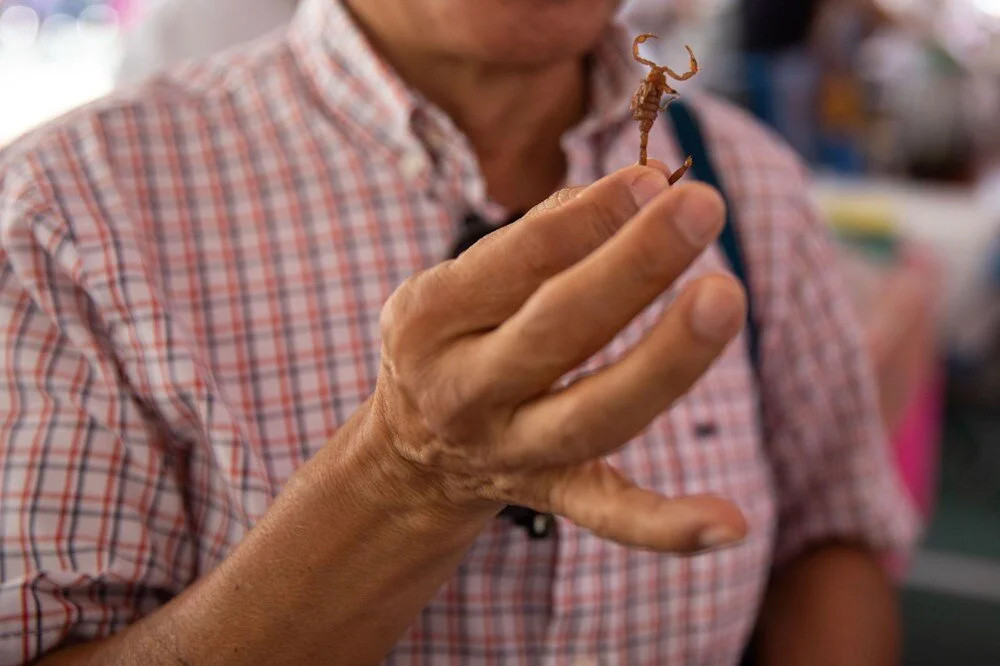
575, 314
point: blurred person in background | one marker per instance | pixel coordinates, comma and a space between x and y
782, 78
801, 61
253, 416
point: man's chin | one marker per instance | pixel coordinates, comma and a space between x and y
527, 34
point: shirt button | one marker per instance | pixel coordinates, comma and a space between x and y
542, 525
412, 165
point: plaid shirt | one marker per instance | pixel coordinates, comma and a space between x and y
191, 275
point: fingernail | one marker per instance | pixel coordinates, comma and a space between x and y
717, 537
700, 215
717, 313
647, 186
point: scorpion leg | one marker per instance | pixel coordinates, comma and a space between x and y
671, 96
641, 39
683, 77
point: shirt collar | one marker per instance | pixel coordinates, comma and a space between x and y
352, 80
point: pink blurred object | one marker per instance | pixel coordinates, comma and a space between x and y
126, 10
917, 443
898, 304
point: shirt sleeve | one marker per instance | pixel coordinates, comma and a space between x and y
832, 463
92, 521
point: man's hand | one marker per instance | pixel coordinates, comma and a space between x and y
474, 348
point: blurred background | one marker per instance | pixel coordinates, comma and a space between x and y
896, 106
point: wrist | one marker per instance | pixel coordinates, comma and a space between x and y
362, 466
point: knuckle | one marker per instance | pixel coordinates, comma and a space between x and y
434, 290
556, 200
453, 402
564, 196
407, 318
601, 523
570, 441
610, 207
402, 344
506, 486
440, 403
539, 320
395, 312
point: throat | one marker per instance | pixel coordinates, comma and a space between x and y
519, 145
520, 182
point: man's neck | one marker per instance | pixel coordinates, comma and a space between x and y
513, 116
515, 120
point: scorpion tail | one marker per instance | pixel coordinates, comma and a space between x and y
677, 175
643, 144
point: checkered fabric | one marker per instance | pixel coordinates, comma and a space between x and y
191, 274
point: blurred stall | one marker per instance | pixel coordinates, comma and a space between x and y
918, 281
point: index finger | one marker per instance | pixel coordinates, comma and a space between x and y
491, 280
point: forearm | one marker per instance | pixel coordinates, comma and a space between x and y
833, 606
349, 554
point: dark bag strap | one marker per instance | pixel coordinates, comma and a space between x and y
692, 143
